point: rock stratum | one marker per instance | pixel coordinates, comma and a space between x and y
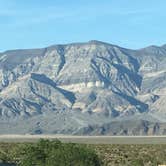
92, 88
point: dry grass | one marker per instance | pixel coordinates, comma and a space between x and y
131, 155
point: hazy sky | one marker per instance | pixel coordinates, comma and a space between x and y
39, 23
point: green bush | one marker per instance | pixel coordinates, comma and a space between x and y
55, 153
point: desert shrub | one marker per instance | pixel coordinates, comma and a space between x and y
137, 162
55, 153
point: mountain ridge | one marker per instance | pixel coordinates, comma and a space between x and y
81, 43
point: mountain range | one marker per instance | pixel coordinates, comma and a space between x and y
92, 88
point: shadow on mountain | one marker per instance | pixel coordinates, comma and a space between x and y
142, 107
44, 79
134, 76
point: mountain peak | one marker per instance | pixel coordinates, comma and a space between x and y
98, 42
95, 41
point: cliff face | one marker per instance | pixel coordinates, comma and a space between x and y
89, 88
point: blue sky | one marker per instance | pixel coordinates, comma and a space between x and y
40, 23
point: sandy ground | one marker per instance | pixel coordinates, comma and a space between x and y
87, 139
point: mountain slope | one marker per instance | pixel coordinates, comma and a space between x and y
78, 82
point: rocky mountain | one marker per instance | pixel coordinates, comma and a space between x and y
92, 88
